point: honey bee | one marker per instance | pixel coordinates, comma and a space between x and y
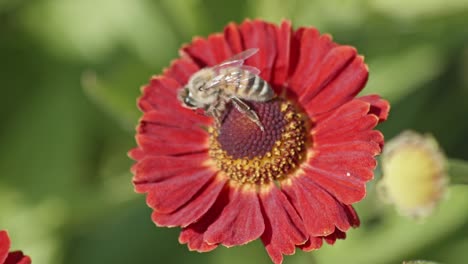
212, 88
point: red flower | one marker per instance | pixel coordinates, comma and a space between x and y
15, 257
291, 185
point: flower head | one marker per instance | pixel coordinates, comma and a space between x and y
292, 184
6, 257
414, 174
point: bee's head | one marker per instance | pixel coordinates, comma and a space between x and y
185, 97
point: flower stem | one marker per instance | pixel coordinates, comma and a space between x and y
458, 171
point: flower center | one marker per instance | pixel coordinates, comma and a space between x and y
248, 155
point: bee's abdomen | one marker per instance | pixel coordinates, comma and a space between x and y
253, 87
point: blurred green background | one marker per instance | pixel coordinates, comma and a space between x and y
70, 74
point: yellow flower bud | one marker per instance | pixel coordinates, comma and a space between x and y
414, 174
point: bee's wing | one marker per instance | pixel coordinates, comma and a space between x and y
251, 69
221, 79
242, 56
236, 60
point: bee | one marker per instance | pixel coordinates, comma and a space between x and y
212, 88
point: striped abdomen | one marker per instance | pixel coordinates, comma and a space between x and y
246, 85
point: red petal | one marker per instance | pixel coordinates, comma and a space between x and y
320, 211
341, 89
261, 35
284, 229
194, 209
193, 237
159, 168
348, 113
194, 233
168, 195
295, 52
313, 243
159, 94
312, 48
156, 139
169, 119
136, 154
241, 220
17, 257
344, 150
208, 52
24, 260
283, 43
349, 122
170, 133
234, 38
181, 70
352, 216
4, 245
330, 239
346, 189
330, 67
379, 107
354, 159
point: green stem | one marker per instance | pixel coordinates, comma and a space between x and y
458, 171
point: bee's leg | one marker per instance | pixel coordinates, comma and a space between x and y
212, 111
245, 109
217, 118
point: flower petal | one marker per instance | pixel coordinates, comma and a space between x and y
234, 38
353, 159
193, 235
208, 52
4, 245
352, 216
331, 239
181, 70
17, 257
194, 209
346, 189
282, 62
169, 119
168, 195
351, 121
313, 243
284, 229
159, 168
379, 107
330, 67
136, 154
261, 35
156, 138
309, 198
241, 220
344, 149
312, 48
340, 89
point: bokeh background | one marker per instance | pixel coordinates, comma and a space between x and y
70, 73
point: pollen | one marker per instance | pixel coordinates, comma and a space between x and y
248, 155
